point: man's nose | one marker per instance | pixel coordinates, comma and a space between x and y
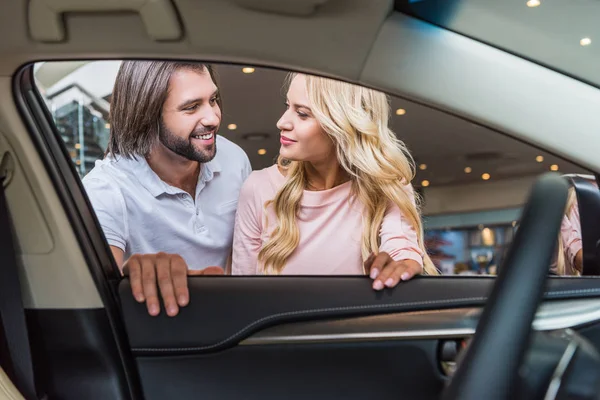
210, 118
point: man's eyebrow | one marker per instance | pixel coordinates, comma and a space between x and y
196, 100
188, 102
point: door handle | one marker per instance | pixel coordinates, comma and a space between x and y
46, 22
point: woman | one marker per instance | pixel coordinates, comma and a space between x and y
339, 200
569, 260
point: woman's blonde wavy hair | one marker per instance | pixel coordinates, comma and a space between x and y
378, 163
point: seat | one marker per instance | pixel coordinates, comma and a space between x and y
588, 202
8, 391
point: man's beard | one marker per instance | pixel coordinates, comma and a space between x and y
184, 147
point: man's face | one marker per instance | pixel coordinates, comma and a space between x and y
191, 116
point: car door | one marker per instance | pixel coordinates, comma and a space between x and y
240, 337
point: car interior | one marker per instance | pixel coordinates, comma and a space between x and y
474, 95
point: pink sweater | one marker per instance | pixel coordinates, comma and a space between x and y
330, 230
570, 232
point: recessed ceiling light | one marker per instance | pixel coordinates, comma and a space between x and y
554, 167
468, 170
262, 152
248, 70
533, 3
423, 167
586, 41
232, 127
485, 176
425, 183
539, 159
400, 111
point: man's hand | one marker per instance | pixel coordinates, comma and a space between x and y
387, 272
170, 272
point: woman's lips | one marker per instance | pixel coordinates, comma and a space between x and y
286, 141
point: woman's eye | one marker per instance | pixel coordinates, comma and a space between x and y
302, 115
214, 100
191, 108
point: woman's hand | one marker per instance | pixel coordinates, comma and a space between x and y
387, 273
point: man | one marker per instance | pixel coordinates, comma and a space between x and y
165, 198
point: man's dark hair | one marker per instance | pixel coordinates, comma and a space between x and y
140, 90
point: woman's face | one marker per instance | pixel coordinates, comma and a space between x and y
302, 138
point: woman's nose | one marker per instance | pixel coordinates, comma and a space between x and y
283, 124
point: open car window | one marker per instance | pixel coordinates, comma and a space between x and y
472, 180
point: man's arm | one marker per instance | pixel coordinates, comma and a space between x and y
118, 255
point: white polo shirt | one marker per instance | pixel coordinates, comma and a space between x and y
140, 213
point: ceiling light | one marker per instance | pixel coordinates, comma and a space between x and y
425, 183
586, 41
468, 170
423, 167
554, 167
485, 176
533, 3
232, 127
400, 111
262, 152
248, 70
539, 158
107, 125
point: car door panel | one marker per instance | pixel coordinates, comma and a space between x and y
381, 369
299, 337
239, 306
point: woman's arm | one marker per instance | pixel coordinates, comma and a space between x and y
400, 257
398, 236
570, 232
247, 231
